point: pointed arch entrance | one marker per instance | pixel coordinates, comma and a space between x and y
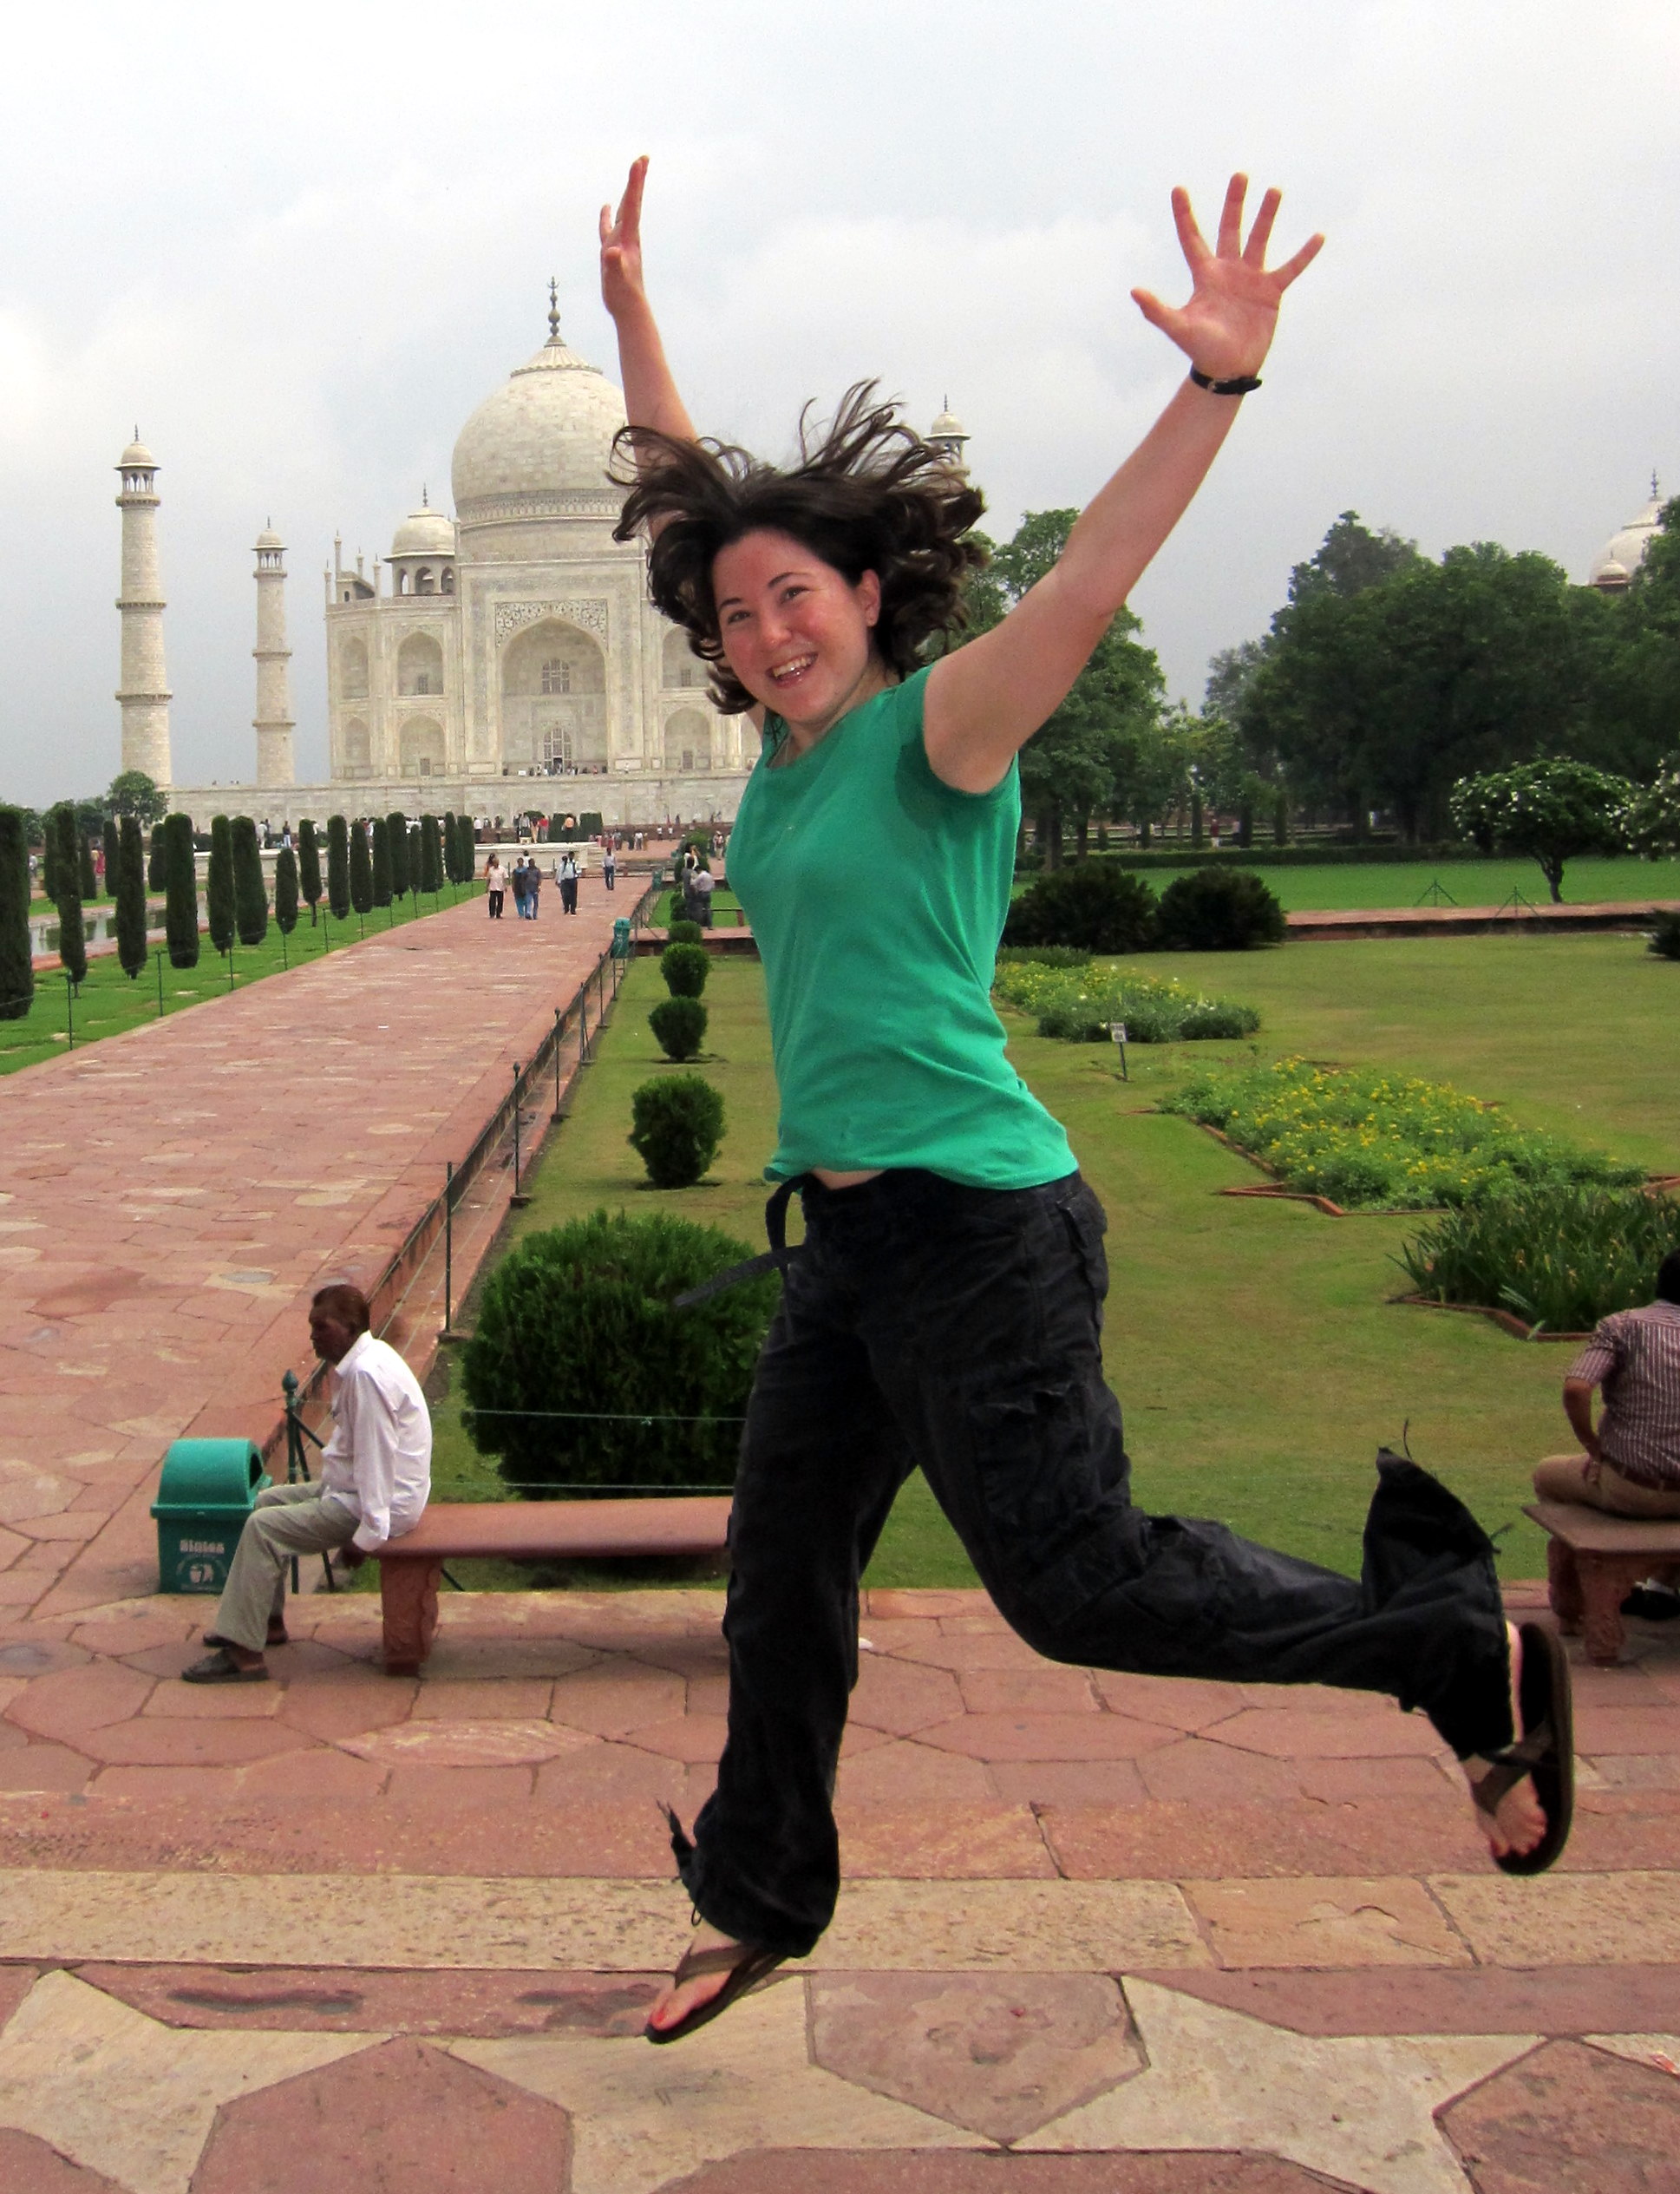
554, 700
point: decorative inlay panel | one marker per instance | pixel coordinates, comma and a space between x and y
514, 617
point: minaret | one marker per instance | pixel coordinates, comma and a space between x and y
273, 719
948, 436
143, 694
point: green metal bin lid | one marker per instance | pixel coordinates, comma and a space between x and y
209, 1474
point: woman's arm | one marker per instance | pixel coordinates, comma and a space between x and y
986, 700
651, 398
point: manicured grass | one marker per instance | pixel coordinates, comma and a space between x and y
1472, 883
1255, 1345
107, 1002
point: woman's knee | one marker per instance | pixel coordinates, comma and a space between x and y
1563, 1477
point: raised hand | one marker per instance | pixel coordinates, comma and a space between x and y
621, 246
1226, 327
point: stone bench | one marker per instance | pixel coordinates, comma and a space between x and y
1593, 1560
409, 1568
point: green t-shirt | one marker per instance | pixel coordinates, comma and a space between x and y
877, 894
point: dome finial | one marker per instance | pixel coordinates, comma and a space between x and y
1655, 490
425, 500
553, 310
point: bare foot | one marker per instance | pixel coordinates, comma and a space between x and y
677, 2003
1520, 1821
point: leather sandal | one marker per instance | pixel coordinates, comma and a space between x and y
277, 1636
220, 1667
1545, 1751
745, 1966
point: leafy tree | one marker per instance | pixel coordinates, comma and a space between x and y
1550, 810
70, 852
1351, 558
16, 962
250, 892
309, 866
361, 869
1653, 821
397, 842
218, 885
130, 889
111, 847
286, 891
1229, 675
181, 885
133, 793
431, 857
382, 862
154, 860
338, 867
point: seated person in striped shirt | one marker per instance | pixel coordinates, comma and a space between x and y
376, 1476
1631, 1464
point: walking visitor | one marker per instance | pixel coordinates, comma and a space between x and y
566, 871
944, 1309
495, 883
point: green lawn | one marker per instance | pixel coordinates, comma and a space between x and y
107, 1002
1255, 1345
1471, 883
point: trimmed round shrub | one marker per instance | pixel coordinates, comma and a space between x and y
1093, 906
1664, 936
676, 1125
1216, 910
579, 1319
679, 1027
684, 968
684, 934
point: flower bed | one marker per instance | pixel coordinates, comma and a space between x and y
1372, 1140
1559, 1254
1078, 1004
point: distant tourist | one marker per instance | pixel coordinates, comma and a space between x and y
610, 867
702, 886
533, 888
495, 883
521, 885
1630, 1464
375, 1478
567, 875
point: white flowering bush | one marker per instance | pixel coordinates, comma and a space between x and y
1080, 1005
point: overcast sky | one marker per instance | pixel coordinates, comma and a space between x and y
297, 246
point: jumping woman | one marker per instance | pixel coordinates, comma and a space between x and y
945, 1310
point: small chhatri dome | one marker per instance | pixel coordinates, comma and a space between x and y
947, 428
1623, 554
547, 432
269, 538
137, 457
424, 532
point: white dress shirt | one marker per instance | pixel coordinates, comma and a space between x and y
378, 1462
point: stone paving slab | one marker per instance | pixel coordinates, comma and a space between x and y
157, 1258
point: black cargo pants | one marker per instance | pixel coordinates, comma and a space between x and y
959, 1329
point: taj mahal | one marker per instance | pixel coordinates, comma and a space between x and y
489, 652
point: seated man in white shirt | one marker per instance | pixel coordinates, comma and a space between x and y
376, 1475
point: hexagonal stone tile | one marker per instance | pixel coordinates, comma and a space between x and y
1568, 2119
998, 2054
402, 2115
788, 2171
29, 2165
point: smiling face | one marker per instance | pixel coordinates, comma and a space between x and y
796, 632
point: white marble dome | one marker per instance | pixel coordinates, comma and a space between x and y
424, 532
1623, 554
543, 438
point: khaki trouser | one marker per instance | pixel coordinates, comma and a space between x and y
1562, 1477
287, 1520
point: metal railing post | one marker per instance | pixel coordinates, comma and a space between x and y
448, 1248
560, 1021
519, 1200
69, 1008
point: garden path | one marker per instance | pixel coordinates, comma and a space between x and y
172, 1195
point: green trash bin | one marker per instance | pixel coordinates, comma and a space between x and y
207, 1489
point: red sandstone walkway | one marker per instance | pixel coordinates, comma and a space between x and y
171, 1196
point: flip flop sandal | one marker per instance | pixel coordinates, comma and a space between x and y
277, 1636
745, 1967
1546, 1751
221, 1668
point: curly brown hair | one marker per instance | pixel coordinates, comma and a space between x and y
868, 495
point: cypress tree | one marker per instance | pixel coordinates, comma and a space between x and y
360, 870
415, 864
49, 855
112, 848
286, 891
156, 869
180, 884
250, 894
381, 861
338, 867
218, 885
397, 839
431, 864
72, 934
467, 855
309, 867
130, 885
17, 970
452, 847
87, 882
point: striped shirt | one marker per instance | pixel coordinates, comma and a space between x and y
1635, 1356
